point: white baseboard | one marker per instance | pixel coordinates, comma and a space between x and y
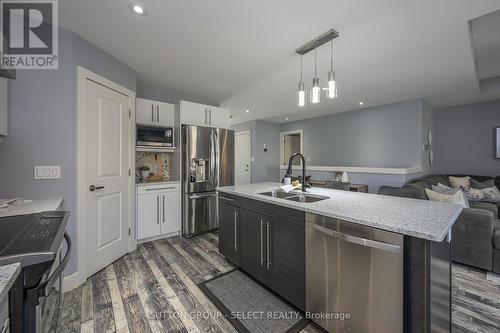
150, 239
70, 282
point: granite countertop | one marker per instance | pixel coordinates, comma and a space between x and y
24, 207
8, 275
424, 219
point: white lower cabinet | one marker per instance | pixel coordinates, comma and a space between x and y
158, 210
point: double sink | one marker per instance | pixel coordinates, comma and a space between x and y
294, 196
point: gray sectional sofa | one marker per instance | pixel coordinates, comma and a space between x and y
476, 234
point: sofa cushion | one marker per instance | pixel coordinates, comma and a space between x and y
434, 180
481, 185
458, 182
404, 192
490, 194
491, 207
496, 239
456, 197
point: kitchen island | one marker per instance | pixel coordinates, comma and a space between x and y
384, 260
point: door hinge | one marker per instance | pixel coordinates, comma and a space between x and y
129, 113
129, 172
129, 231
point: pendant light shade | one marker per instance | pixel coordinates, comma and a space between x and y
331, 91
301, 94
301, 98
315, 90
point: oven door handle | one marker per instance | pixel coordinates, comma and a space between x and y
44, 288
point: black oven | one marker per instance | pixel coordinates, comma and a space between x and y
159, 137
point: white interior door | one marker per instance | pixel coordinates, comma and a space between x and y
108, 171
242, 157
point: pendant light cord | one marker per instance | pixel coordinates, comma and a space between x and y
331, 54
301, 67
315, 59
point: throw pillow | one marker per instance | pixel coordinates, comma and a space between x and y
456, 182
486, 184
443, 189
490, 194
456, 198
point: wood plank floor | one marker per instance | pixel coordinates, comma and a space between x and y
154, 289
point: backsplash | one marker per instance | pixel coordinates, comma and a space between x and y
158, 163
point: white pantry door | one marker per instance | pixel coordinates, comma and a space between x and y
107, 176
242, 158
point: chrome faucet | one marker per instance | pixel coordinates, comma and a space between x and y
289, 170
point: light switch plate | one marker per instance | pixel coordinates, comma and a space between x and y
47, 172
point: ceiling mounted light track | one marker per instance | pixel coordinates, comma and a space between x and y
331, 90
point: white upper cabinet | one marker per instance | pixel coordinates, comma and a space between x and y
3, 107
204, 115
220, 117
154, 113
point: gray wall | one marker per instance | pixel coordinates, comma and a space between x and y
465, 139
382, 136
266, 164
42, 124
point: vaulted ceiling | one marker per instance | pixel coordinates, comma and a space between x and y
241, 53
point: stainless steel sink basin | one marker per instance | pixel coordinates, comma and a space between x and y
294, 196
307, 198
278, 194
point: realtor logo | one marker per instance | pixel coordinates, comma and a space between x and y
30, 35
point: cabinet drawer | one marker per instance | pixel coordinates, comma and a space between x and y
145, 189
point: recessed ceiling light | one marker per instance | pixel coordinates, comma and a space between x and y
137, 9
247, 111
286, 118
361, 103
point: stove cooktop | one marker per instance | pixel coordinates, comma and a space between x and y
31, 239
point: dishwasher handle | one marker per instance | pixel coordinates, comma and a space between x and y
357, 240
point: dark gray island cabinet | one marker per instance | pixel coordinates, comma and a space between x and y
266, 241
305, 256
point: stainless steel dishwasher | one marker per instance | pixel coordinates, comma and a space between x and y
354, 277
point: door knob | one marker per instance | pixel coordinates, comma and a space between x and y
92, 188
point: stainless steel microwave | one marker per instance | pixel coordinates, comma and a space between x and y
160, 137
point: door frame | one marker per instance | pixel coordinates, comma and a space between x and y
282, 143
83, 75
249, 151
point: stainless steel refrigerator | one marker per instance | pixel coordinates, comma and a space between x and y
207, 162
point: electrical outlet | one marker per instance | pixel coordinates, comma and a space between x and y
47, 172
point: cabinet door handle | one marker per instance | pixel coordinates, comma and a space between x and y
227, 199
206, 112
161, 188
262, 243
163, 199
157, 113
235, 230
268, 245
152, 113
210, 116
157, 209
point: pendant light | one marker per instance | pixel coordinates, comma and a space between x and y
301, 96
331, 91
315, 90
